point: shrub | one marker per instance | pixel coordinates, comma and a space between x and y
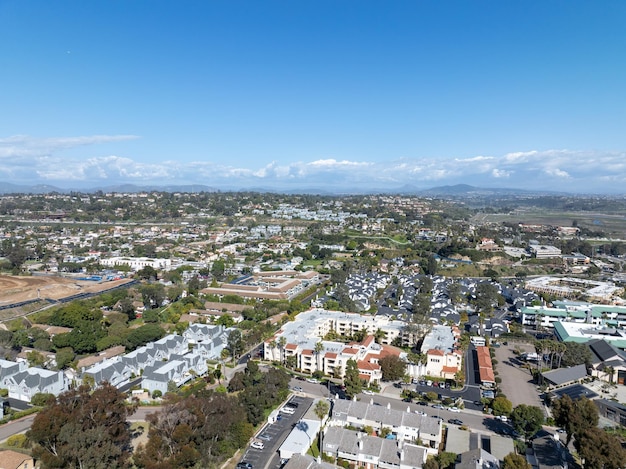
18, 441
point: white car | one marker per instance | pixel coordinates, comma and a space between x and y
288, 410
454, 409
503, 418
312, 380
257, 445
368, 392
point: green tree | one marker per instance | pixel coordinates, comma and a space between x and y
599, 450
486, 298
142, 335
574, 416
576, 354
321, 409
527, 420
147, 273
235, 343
351, 379
83, 429
515, 461
501, 406
152, 295
35, 358
431, 265
217, 269
64, 357
392, 367
42, 398
225, 320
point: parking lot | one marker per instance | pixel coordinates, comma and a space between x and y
517, 382
273, 435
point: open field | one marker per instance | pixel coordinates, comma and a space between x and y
613, 224
16, 289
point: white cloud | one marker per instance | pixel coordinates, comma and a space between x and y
29, 160
25, 146
500, 173
556, 172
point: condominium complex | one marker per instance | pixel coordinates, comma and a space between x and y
301, 337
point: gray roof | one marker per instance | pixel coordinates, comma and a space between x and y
342, 409
563, 376
477, 459
358, 443
299, 461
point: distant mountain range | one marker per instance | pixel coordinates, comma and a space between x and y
458, 190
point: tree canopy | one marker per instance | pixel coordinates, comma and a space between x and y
392, 367
351, 379
83, 429
527, 420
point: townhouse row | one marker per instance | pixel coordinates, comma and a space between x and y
174, 358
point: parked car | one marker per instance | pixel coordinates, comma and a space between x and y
368, 392
257, 445
265, 437
297, 388
455, 421
503, 418
422, 403
244, 465
312, 380
438, 406
454, 409
288, 410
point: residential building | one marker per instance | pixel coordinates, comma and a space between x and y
302, 336
25, 384
485, 367
371, 452
404, 425
10, 459
443, 357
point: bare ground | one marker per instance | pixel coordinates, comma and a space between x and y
15, 289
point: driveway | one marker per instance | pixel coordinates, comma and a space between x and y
517, 383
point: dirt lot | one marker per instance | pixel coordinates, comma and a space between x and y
517, 382
15, 289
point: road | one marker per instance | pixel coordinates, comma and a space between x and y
473, 418
273, 435
16, 426
20, 426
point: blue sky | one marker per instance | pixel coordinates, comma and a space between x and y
298, 94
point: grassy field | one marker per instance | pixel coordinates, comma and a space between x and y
611, 224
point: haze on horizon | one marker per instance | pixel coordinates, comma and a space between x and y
286, 95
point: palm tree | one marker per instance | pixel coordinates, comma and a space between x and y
319, 347
321, 410
379, 335
540, 347
609, 370
273, 346
281, 343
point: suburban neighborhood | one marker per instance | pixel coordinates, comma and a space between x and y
389, 339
